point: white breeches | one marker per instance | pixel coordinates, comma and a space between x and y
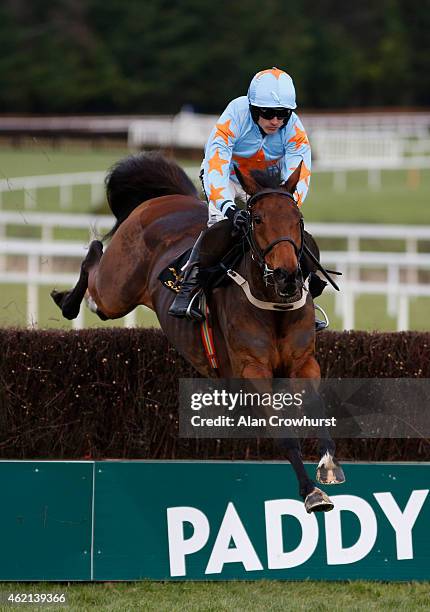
214, 215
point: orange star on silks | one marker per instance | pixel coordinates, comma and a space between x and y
257, 161
216, 162
215, 193
300, 138
275, 71
304, 173
299, 198
223, 130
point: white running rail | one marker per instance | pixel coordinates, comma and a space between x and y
338, 166
351, 263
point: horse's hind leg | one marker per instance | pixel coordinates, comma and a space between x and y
70, 301
329, 470
314, 499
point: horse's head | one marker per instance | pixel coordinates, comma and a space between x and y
276, 228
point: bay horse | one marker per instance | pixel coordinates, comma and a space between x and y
159, 215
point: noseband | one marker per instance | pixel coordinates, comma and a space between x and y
259, 254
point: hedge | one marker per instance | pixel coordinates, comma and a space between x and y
113, 394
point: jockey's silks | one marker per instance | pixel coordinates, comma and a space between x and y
237, 139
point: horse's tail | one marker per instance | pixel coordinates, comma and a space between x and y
140, 177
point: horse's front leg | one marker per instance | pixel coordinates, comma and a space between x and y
329, 471
314, 499
70, 301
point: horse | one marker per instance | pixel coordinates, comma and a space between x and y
158, 216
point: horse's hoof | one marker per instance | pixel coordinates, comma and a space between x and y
58, 296
318, 501
329, 471
69, 310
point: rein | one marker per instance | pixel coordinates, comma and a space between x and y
259, 254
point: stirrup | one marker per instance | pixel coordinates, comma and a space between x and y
193, 311
320, 325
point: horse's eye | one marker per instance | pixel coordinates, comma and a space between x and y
257, 220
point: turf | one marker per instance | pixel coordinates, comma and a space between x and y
397, 202
40, 159
261, 596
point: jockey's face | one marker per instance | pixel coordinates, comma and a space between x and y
270, 126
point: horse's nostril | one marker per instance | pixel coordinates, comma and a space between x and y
283, 276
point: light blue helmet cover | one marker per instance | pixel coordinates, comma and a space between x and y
272, 88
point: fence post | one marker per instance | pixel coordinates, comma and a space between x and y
30, 197
349, 307
96, 195
78, 323
339, 302
65, 196
392, 296
32, 291
403, 315
412, 248
339, 180
374, 179
2, 239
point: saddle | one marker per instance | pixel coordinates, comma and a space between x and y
219, 252
210, 277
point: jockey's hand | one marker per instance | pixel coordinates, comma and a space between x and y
239, 218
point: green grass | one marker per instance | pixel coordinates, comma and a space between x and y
41, 159
13, 303
261, 596
395, 203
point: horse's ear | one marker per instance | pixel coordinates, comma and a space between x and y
247, 183
291, 183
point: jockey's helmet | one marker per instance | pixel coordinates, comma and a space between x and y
272, 88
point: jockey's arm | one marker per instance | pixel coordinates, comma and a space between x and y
297, 149
217, 160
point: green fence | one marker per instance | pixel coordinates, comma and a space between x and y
130, 520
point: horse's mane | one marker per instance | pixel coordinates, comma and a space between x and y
270, 178
141, 177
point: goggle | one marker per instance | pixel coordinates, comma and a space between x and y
271, 113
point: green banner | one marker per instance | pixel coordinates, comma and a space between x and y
243, 520
46, 520
185, 520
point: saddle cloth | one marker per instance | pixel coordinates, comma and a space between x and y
208, 278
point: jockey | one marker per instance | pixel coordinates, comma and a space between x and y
253, 133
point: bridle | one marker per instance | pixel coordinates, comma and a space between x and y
259, 254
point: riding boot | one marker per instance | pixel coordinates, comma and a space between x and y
185, 303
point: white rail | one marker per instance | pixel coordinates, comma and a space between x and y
98, 224
29, 185
339, 166
188, 129
351, 264
95, 225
